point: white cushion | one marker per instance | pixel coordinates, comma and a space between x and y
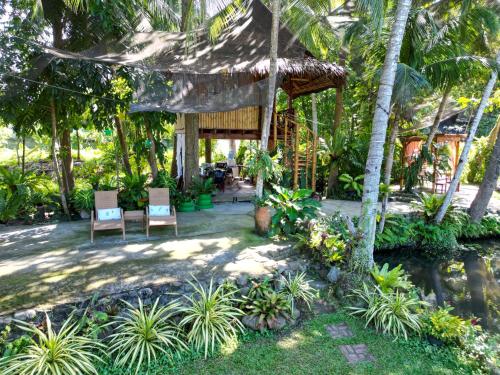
159, 210
108, 214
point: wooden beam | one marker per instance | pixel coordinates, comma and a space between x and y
296, 156
285, 149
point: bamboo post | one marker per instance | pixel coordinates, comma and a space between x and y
307, 159
275, 128
314, 162
285, 149
296, 157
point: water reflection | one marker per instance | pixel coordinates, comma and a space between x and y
469, 283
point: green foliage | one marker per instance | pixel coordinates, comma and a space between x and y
449, 328
164, 180
298, 289
259, 161
133, 195
353, 184
51, 352
393, 313
398, 233
83, 199
389, 281
293, 209
9, 347
489, 226
202, 186
210, 317
259, 288
478, 160
436, 241
269, 308
143, 334
428, 205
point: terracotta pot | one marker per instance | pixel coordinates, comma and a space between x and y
262, 220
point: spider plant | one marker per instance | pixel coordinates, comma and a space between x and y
142, 334
393, 313
297, 289
51, 352
211, 317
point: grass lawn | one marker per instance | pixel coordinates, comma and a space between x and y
310, 350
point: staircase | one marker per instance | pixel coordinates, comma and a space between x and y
299, 149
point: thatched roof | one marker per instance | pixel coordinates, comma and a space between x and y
243, 47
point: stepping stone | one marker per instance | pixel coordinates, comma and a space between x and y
338, 331
356, 353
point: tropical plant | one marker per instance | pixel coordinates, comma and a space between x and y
83, 199
164, 180
398, 233
259, 288
435, 241
298, 289
352, 183
269, 308
50, 352
202, 186
428, 205
259, 161
133, 195
388, 281
143, 334
393, 313
293, 208
210, 317
449, 328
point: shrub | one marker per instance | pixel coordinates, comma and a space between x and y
269, 308
352, 184
297, 289
435, 241
202, 186
398, 232
133, 196
393, 313
448, 328
211, 317
478, 160
390, 280
141, 335
83, 199
293, 208
51, 352
164, 180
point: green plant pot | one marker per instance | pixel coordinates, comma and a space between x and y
186, 207
204, 201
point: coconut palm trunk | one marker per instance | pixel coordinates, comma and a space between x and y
362, 259
389, 162
480, 203
152, 150
437, 118
53, 118
273, 69
468, 143
123, 144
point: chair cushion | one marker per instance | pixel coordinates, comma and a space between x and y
104, 214
163, 210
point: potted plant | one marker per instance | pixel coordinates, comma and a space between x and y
203, 190
262, 216
185, 202
83, 201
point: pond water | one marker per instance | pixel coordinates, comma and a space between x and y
470, 284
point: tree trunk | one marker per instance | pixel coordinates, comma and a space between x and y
314, 111
333, 176
152, 150
363, 252
468, 143
208, 150
389, 161
488, 185
23, 156
173, 165
437, 118
67, 161
123, 145
78, 156
192, 149
54, 157
273, 68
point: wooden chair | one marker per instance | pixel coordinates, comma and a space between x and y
160, 197
106, 200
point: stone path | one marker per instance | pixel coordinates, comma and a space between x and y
353, 353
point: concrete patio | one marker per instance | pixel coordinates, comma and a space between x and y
42, 265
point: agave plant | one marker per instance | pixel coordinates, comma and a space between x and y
211, 317
393, 313
297, 289
50, 352
142, 334
390, 280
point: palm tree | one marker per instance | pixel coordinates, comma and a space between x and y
489, 183
363, 253
468, 142
273, 69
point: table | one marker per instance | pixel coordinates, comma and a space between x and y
134, 215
